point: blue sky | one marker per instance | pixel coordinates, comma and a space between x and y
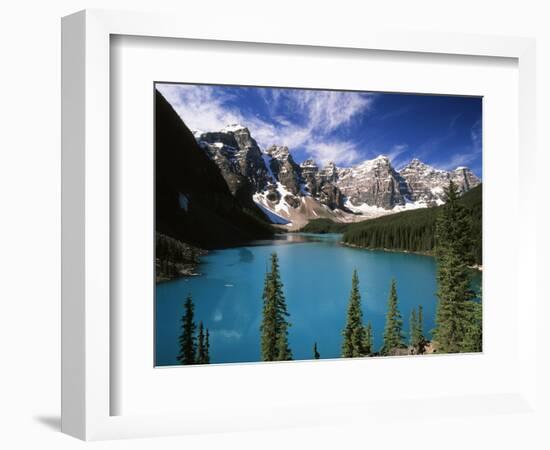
341, 126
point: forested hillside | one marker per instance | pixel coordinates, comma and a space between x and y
323, 226
414, 230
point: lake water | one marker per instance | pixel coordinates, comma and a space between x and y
316, 272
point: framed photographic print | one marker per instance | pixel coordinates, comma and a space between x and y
323, 229
290, 238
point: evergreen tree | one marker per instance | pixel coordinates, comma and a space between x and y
268, 327
416, 335
421, 342
413, 327
354, 331
201, 348
274, 327
283, 350
393, 336
453, 254
316, 354
187, 339
473, 338
368, 345
207, 348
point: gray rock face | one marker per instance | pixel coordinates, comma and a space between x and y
225, 158
321, 184
426, 184
373, 182
329, 173
464, 178
310, 175
331, 196
236, 144
285, 170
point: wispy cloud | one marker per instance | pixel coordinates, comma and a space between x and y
299, 118
395, 113
397, 155
339, 152
476, 135
469, 154
201, 107
457, 160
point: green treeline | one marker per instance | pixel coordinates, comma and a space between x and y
323, 226
415, 231
194, 349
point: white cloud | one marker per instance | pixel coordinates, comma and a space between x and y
470, 154
300, 118
199, 107
395, 154
461, 159
325, 110
339, 152
476, 135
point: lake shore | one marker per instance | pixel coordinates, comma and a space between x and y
389, 250
477, 267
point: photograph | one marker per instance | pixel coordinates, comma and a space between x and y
306, 223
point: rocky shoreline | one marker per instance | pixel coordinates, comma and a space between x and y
175, 259
346, 244
390, 250
180, 271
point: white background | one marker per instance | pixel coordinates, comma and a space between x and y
29, 177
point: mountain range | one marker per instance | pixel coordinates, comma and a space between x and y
292, 194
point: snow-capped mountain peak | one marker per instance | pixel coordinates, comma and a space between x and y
287, 191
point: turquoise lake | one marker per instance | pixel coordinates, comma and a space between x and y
316, 272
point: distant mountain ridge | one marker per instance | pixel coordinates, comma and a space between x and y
292, 194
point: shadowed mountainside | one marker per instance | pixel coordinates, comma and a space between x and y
193, 201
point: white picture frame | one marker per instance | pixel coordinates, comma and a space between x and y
87, 385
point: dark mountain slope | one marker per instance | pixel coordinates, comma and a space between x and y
193, 201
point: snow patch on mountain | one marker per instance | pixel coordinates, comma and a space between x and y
272, 215
372, 211
232, 128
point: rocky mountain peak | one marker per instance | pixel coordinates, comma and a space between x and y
373, 182
284, 168
279, 152
416, 164
309, 164
426, 184
236, 152
329, 172
465, 178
